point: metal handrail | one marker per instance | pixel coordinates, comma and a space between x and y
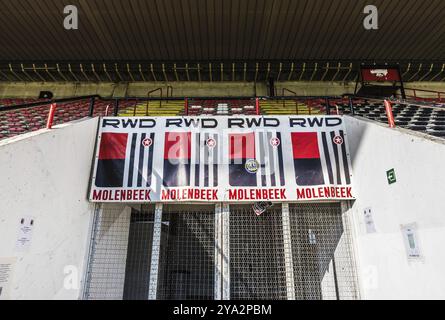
48, 102
439, 98
284, 101
162, 98
425, 90
288, 90
169, 89
399, 101
100, 98
352, 100
148, 101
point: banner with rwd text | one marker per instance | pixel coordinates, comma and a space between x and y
233, 159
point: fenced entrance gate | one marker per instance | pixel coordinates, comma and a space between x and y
293, 251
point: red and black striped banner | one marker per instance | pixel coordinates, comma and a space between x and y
249, 159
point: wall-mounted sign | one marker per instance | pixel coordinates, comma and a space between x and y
391, 176
410, 238
380, 74
26, 226
369, 221
246, 158
260, 207
6, 270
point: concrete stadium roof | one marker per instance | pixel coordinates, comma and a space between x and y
160, 33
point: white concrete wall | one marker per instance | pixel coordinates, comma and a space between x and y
418, 196
45, 175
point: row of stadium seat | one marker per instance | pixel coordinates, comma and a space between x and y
14, 102
413, 117
422, 119
221, 107
418, 118
19, 121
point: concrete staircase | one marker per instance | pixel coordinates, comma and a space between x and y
288, 107
175, 108
153, 109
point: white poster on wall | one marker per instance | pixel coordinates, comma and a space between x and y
6, 269
369, 221
411, 240
24, 237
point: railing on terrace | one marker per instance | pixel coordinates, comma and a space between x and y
425, 95
32, 116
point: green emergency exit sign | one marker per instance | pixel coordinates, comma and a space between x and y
391, 176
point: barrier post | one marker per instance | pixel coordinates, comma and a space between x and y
91, 111
116, 108
328, 107
388, 109
52, 110
351, 106
257, 105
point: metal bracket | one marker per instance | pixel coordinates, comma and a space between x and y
288, 258
225, 251
218, 252
155, 253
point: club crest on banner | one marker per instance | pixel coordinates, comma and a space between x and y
252, 166
275, 142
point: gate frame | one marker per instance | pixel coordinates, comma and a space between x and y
222, 250
218, 252
226, 251
155, 253
83, 295
288, 257
349, 221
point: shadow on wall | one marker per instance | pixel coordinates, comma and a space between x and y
354, 141
257, 263
187, 260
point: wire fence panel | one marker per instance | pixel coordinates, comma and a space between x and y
187, 262
308, 253
140, 239
117, 267
322, 253
257, 266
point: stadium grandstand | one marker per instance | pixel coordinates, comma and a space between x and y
222, 150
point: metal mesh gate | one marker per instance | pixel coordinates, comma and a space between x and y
187, 264
322, 253
120, 253
257, 269
139, 251
297, 251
